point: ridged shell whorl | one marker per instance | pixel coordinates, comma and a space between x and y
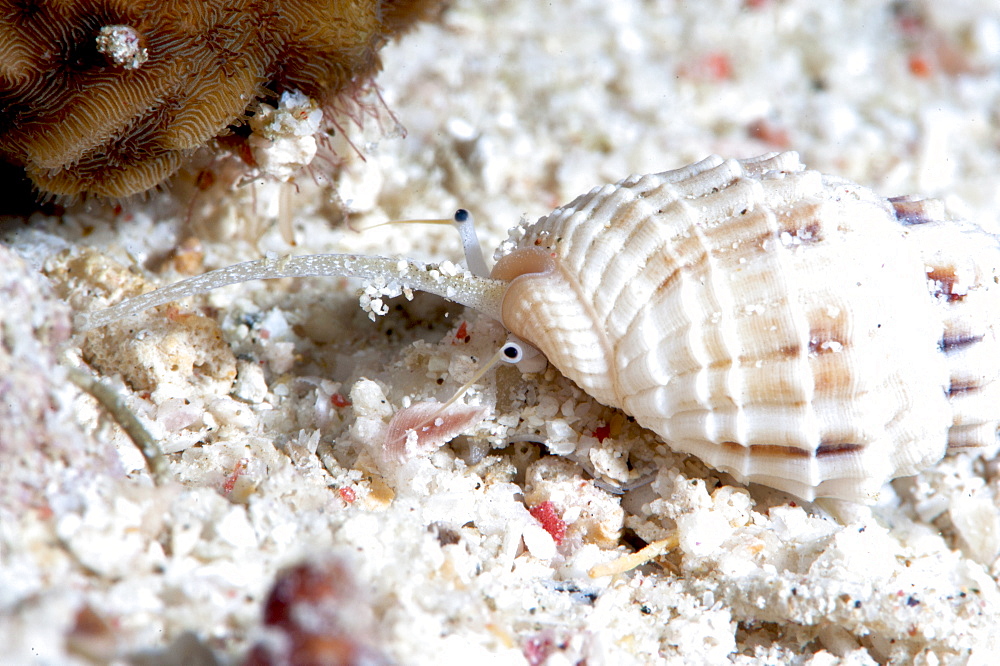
784, 326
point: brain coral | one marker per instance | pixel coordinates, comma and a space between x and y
108, 97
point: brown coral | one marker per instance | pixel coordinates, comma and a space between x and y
108, 97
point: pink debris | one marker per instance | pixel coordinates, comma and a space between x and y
769, 133
538, 648
424, 427
711, 67
234, 476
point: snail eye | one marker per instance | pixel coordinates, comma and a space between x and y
512, 352
522, 354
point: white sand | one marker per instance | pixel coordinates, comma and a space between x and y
510, 109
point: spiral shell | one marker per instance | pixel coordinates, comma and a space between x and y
790, 328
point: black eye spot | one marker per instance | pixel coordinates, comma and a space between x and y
461, 215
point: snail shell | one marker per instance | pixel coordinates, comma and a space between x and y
790, 328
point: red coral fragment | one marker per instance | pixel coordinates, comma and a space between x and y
546, 514
92, 637
602, 432
920, 66
314, 606
310, 585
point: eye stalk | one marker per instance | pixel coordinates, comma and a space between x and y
474, 258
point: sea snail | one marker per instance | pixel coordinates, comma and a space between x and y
790, 328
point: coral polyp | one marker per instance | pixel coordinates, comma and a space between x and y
109, 97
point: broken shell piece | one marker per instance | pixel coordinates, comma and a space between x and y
284, 138
122, 46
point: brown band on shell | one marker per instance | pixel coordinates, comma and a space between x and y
775, 450
802, 222
825, 342
744, 360
956, 343
789, 351
778, 451
808, 233
833, 378
668, 282
796, 226
943, 280
830, 327
910, 210
832, 448
777, 355
963, 387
